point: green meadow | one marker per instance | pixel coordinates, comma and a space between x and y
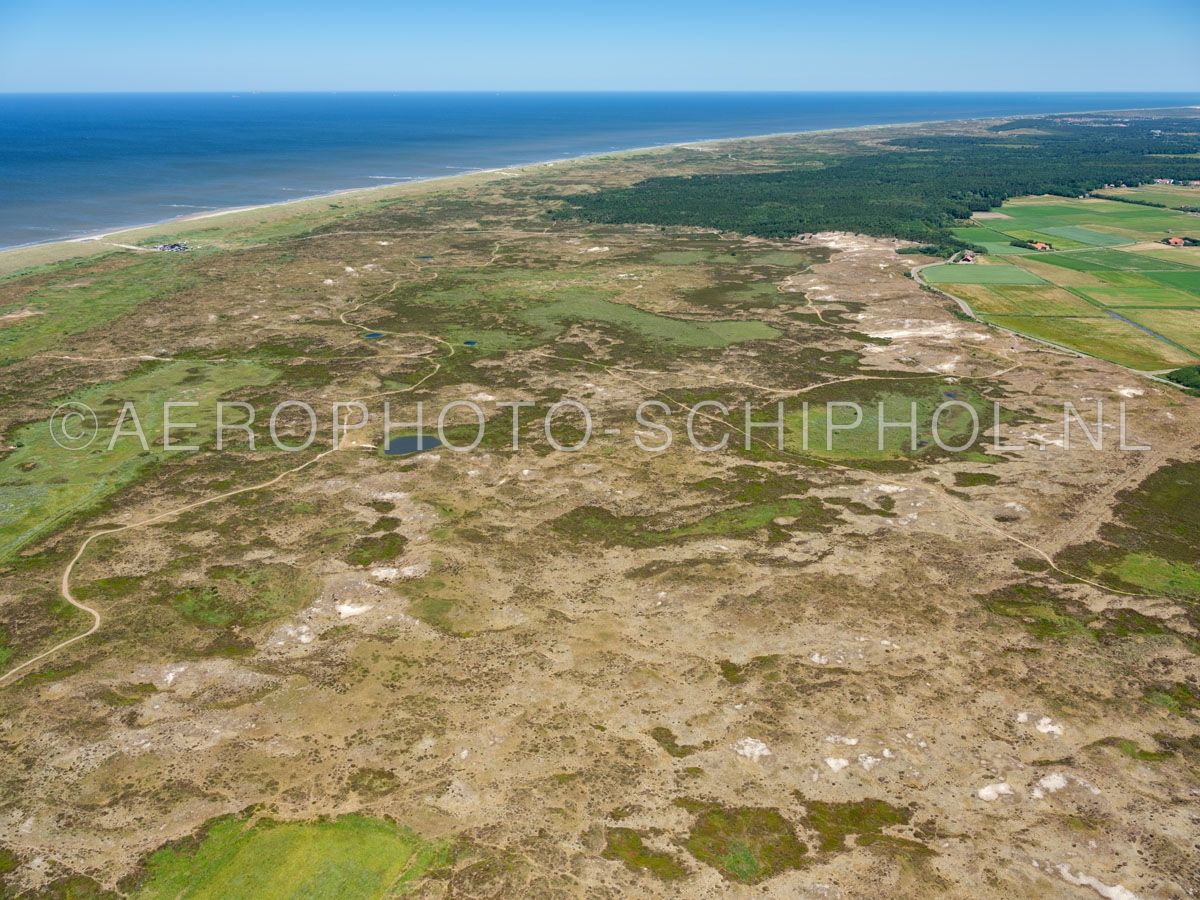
1099, 220
509, 309
43, 484
958, 273
551, 318
72, 302
352, 856
836, 432
1171, 196
1108, 288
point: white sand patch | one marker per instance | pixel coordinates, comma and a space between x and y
1049, 784
836, 763
385, 573
1046, 725
390, 496
943, 330
868, 762
327, 281
819, 659
18, 315
596, 250
301, 633
841, 739
890, 489
990, 792
1130, 392
1046, 440
751, 749
349, 610
1111, 891
949, 366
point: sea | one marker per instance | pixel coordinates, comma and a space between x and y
78, 164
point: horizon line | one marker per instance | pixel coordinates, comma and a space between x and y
494, 91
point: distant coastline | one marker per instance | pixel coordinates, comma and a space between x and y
78, 165
17, 256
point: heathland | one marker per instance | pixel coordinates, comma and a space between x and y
918, 666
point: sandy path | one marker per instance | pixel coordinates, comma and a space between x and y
65, 583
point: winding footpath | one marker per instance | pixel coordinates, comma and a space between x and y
65, 583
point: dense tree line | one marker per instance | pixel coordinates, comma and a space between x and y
918, 190
1188, 377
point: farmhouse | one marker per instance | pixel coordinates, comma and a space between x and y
1039, 245
1175, 241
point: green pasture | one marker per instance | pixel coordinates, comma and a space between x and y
1141, 296
552, 318
958, 273
1179, 325
1184, 280
1087, 236
994, 243
1112, 260
1171, 196
1025, 300
352, 857
43, 484
77, 300
1125, 221
1107, 338
895, 401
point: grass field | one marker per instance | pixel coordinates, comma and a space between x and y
1106, 338
1171, 196
352, 856
954, 273
550, 318
42, 483
896, 401
1024, 300
1109, 287
70, 303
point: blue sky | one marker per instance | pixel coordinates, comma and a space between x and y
70, 45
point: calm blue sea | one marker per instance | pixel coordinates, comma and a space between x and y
80, 163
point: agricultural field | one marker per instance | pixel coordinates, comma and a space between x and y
1171, 196
1108, 287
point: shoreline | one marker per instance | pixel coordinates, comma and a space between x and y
103, 240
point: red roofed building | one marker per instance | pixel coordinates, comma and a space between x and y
1175, 241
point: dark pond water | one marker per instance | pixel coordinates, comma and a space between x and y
411, 443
